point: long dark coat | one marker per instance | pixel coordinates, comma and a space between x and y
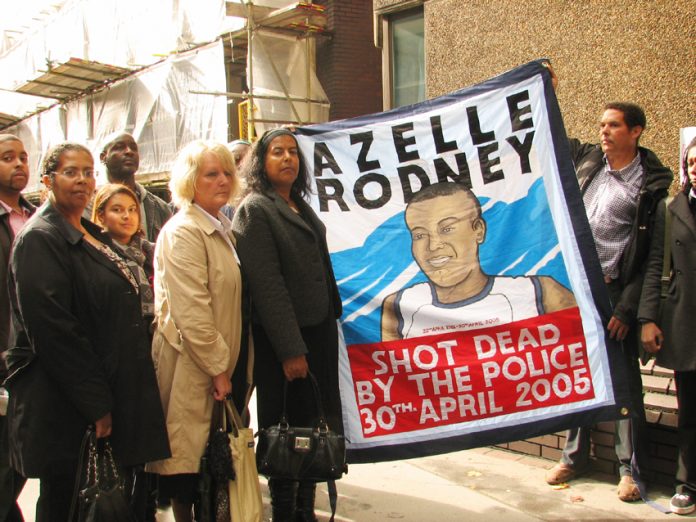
295, 304
677, 319
81, 352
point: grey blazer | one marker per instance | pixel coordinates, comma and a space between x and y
287, 264
679, 309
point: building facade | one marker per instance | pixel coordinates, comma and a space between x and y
640, 51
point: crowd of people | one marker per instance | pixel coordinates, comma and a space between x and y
132, 315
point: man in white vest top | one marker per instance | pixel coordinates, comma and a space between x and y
447, 229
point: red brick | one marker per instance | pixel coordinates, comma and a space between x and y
603, 452
648, 367
669, 419
607, 426
662, 372
662, 466
666, 452
528, 448
657, 401
652, 416
603, 466
546, 440
551, 453
603, 438
655, 383
662, 435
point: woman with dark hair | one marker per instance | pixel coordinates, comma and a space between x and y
668, 327
295, 301
117, 210
81, 355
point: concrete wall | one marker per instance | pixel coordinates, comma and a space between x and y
633, 50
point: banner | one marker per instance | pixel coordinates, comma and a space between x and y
473, 301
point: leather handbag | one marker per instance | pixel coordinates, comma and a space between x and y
102, 497
307, 453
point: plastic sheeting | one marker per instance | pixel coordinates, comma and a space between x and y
126, 33
287, 56
156, 106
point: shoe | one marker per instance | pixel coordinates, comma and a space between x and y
628, 490
560, 473
682, 504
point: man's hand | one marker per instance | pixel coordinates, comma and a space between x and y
617, 329
102, 427
651, 337
295, 368
554, 78
222, 386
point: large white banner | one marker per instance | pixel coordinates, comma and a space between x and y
473, 299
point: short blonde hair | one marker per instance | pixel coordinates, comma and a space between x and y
182, 183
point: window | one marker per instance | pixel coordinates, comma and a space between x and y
405, 52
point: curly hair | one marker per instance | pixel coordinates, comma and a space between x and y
53, 157
254, 170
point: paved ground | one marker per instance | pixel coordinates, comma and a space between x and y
476, 485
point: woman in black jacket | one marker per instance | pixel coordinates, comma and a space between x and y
81, 356
668, 327
295, 301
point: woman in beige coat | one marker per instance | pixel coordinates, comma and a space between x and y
198, 292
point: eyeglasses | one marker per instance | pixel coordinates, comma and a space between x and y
73, 173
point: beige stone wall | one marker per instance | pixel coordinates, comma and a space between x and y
633, 50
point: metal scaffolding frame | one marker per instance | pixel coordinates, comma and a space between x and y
303, 20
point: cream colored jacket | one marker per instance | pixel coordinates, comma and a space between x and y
198, 291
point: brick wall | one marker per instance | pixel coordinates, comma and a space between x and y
348, 64
661, 413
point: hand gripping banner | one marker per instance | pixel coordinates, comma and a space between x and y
474, 304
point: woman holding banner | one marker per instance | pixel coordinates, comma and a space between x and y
668, 329
283, 249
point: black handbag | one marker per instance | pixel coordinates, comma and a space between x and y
313, 453
102, 497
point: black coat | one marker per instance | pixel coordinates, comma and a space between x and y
295, 304
81, 351
6, 238
679, 307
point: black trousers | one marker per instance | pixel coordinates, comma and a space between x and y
686, 428
55, 496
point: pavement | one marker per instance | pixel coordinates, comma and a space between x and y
484, 484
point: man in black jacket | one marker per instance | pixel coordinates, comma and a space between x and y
14, 212
121, 158
621, 185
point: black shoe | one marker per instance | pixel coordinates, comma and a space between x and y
682, 504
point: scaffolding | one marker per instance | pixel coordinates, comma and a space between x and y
300, 22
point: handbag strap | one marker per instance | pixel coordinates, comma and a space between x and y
88, 438
333, 497
667, 255
317, 398
233, 416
